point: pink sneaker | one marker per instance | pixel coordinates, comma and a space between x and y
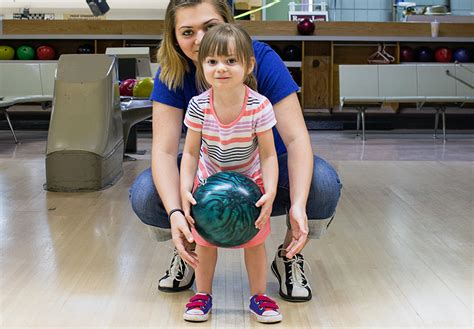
198, 308
265, 309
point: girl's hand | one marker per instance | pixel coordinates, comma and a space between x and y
266, 202
188, 200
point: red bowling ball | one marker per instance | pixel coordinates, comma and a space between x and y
45, 53
126, 87
407, 54
305, 26
443, 55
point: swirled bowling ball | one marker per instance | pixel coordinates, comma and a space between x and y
305, 26
25, 53
225, 211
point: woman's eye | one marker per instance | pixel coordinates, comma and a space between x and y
210, 26
187, 33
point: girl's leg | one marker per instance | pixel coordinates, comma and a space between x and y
256, 264
205, 270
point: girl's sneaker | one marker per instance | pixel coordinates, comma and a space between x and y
198, 308
265, 309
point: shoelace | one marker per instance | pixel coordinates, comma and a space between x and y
197, 301
177, 267
297, 275
265, 302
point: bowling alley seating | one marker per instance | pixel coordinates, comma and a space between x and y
25, 82
438, 85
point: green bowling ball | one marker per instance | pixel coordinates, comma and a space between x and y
225, 212
6, 53
25, 53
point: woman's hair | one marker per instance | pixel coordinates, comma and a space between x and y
221, 40
173, 62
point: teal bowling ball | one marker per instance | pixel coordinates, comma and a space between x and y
225, 212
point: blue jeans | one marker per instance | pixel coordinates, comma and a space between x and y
320, 208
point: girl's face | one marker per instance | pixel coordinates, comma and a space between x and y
191, 25
225, 72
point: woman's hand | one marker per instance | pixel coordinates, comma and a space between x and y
299, 230
183, 239
188, 201
266, 202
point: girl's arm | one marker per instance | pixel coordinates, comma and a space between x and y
189, 164
269, 167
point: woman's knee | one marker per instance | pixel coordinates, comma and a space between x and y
146, 202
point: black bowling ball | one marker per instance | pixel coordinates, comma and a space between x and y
292, 53
85, 49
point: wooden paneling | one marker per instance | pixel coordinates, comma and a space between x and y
284, 28
317, 75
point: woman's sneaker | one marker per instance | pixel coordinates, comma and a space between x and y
294, 285
198, 308
265, 309
179, 276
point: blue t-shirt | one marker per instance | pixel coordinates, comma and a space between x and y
273, 79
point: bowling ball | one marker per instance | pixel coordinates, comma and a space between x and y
462, 55
85, 49
443, 55
45, 53
126, 87
143, 88
305, 26
7, 53
291, 53
407, 54
25, 53
225, 211
425, 54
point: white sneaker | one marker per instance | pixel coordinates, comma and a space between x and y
294, 286
179, 276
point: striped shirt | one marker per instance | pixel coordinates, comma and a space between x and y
233, 146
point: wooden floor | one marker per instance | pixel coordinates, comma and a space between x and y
399, 254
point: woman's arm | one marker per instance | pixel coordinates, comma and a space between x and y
189, 164
269, 167
167, 121
292, 128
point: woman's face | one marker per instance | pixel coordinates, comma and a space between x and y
191, 25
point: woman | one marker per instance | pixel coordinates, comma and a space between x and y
308, 187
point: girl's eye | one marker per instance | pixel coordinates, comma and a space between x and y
211, 61
187, 33
231, 61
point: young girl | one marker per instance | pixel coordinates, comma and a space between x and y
230, 129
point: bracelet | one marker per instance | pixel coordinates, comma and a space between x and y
173, 211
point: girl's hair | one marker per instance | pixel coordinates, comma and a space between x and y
220, 40
173, 62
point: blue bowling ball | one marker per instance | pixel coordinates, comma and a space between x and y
462, 55
425, 54
225, 212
